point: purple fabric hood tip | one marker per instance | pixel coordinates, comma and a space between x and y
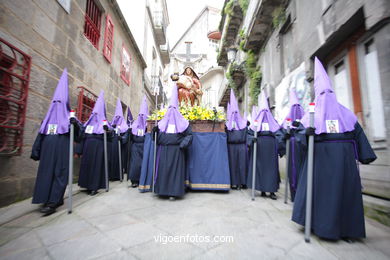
57, 117
97, 116
129, 118
140, 122
264, 116
173, 117
234, 119
330, 116
296, 110
119, 119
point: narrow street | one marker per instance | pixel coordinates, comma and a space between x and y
126, 224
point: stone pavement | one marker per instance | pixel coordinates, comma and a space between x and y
124, 224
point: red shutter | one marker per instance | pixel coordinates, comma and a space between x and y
85, 103
108, 39
92, 23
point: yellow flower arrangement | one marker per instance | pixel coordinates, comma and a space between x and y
191, 113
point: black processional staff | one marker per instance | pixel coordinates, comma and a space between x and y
287, 158
70, 177
105, 127
309, 189
255, 123
118, 133
156, 92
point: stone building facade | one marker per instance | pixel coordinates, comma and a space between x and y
351, 38
88, 37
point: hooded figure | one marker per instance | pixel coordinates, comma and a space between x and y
297, 153
120, 135
92, 176
269, 144
236, 131
129, 118
174, 136
339, 142
51, 148
127, 143
138, 130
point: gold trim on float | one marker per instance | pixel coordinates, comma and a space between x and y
207, 185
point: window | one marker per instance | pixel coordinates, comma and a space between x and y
85, 103
108, 39
125, 65
92, 23
374, 110
14, 80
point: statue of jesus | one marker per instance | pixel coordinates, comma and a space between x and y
189, 87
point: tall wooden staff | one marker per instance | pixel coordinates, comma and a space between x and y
256, 123
70, 177
287, 158
309, 189
105, 156
118, 133
156, 92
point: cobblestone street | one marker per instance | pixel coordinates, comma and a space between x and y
124, 224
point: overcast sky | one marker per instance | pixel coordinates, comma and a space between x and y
182, 13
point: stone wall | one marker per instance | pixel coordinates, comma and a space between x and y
55, 40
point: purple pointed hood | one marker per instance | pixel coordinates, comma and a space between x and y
264, 115
119, 119
95, 122
129, 118
296, 110
140, 122
58, 114
234, 119
173, 117
329, 114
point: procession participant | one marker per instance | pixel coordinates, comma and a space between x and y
174, 135
51, 149
270, 143
339, 142
296, 153
91, 149
138, 130
120, 135
127, 143
236, 130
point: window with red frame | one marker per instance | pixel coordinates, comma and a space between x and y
108, 39
85, 103
14, 81
92, 23
125, 65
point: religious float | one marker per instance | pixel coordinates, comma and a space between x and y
207, 157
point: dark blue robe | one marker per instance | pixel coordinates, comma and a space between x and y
136, 156
52, 151
238, 156
171, 163
113, 156
126, 147
92, 175
337, 197
269, 145
146, 177
296, 158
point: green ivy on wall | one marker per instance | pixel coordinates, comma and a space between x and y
254, 73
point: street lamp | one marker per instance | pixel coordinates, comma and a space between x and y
231, 53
